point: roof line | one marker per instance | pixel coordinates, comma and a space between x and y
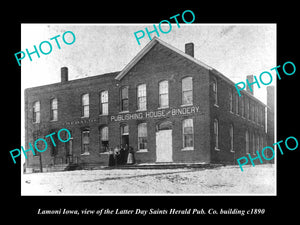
148, 47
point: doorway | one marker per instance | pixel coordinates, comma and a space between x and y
164, 147
124, 135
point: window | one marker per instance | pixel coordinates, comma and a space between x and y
85, 110
253, 144
187, 91
85, 137
247, 142
230, 101
215, 91
251, 112
188, 133
124, 129
104, 143
247, 109
124, 99
164, 94
142, 136
231, 138
236, 104
104, 103
142, 97
36, 117
243, 106
216, 134
53, 111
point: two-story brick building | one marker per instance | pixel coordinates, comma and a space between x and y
167, 105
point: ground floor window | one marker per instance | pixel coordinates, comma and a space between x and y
216, 134
85, 142
104, 142
188, 133
142, 136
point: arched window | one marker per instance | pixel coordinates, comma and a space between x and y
216, 134
187, 91
231, 138
188, 133
54, 108
85, 104
163, 94
36, 117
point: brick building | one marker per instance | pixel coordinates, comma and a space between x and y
166, 104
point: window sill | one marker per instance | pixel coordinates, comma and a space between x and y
124, 111
104, 153
187, 149
165, 107
53, 121
103, 115
141, 110
142, 150
86, 153
84, 117
186, 105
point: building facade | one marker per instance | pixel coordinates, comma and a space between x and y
166, 104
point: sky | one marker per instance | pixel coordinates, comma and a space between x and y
235, 50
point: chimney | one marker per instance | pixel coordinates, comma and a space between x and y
64, 74
250, 80
189, 49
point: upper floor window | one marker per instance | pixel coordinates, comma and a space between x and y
85, 105
243, 105
124, 99
104, 102
164, 94
236, 104
247, 109
230, 101
54, 108
187, 91
142, 97
215, 91
36, 117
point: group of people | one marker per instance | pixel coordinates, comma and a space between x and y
121, 156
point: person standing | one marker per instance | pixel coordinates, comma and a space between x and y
117, 155
131, 158
122, 155
111, 159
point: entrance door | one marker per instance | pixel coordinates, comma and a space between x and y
164, 146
